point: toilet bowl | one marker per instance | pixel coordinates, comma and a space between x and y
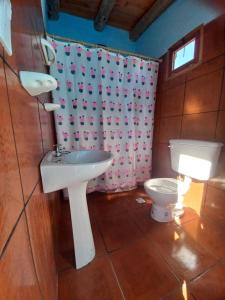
165, 198
193, 159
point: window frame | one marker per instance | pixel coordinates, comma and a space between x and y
196, 34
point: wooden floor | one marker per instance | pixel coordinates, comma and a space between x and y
138, 258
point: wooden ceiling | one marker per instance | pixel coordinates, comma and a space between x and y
132, 15
124, 14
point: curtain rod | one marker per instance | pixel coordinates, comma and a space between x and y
64, 39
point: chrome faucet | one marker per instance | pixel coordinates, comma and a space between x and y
58, 150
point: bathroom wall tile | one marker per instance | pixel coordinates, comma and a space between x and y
222, 100
11, 197
118, 231
22, 33
18, 279
209, 286
214, 204
95, 281
186, 257
47, 125
199, 126
208, 234
213, 42
42, 242
172, 101
207, 67
37, 18
203, 93
220, 128
26, 125
169, 129
37, 56
140, 269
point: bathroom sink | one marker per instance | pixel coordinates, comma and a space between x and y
73, 170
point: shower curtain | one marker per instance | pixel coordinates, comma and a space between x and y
107, 102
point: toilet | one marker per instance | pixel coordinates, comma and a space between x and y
190, 158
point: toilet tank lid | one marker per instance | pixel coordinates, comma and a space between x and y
195, 143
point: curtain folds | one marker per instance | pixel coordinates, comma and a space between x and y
107, 102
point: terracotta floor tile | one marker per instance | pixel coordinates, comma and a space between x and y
210, 235
93, 282
119, 231
210, 285
142, 273
183, 293
185, 256
103, 205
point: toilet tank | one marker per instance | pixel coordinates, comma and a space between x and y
194, 158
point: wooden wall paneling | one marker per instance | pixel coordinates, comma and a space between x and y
203, 93
219, 179
18, 279
172, 101
222, 100
207, 67
214, 204
11, 197
213, 42
42, 242
26, 124
199, 126
169, 129
220, 128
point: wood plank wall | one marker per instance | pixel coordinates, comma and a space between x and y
192, 106
28, 217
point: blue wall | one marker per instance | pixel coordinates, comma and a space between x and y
178, 20
44, 12
82, 29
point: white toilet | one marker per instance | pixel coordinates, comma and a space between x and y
191, 158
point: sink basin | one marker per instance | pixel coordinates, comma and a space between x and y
73, 170
70, 168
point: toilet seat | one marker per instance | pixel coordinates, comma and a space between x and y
164, 194
163, 185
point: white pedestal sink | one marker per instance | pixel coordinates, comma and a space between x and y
73, 171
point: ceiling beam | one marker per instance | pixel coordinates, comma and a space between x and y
53, 9
149, 17
103, 14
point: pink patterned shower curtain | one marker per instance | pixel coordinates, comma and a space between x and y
107, 102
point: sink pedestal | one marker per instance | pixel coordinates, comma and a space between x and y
82, 233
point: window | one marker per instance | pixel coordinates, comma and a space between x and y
185, 53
